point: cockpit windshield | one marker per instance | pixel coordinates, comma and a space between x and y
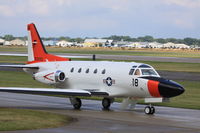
148, 72
143, 69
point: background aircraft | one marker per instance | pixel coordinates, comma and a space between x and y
128, 80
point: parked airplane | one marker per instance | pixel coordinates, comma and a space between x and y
128, 80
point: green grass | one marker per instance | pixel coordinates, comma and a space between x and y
24, 119
19, 79
13, 59
113, 51
190, 99
129, 52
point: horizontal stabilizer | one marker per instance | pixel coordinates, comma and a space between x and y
67, 92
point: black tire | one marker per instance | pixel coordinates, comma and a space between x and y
152, 110
106, 102
77, 104
147, 110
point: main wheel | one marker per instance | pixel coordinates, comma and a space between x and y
152, 110
147, 110
106, 102
77, 103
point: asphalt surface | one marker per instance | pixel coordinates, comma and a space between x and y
91, 118
120, 57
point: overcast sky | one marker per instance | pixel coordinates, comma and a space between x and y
100, 18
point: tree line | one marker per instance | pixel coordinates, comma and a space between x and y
188, 40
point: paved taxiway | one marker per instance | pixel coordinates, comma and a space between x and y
120, 57
92, 119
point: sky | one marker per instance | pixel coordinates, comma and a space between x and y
102, 18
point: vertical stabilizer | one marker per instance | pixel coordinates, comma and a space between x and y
36, 49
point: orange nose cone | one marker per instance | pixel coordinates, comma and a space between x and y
153, 88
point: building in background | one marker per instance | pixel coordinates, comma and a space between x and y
64, 43
49, 43
154, 45
97, 43
175, 46
17, 42
2, 41
182, 46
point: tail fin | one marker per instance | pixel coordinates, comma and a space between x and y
36, 49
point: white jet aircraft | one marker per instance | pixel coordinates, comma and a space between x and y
128, 80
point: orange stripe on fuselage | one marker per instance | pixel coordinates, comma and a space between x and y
153, 88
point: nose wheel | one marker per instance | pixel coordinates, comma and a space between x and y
149, 110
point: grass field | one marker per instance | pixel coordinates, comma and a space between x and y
167, 66
19, 79
23, 119
190, 99
113, 51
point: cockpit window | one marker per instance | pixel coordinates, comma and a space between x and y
144, 66
137, 72
148, 72
131, 71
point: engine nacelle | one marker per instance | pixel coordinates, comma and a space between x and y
50, 77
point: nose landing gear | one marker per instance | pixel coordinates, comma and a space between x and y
149, 110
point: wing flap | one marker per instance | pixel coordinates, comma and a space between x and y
68, 92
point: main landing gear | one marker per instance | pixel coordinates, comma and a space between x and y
76, 102
149, 110
106, 102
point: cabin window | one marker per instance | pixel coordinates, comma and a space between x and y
79, 70
131, 71
87, 71
104, 71
95, 71
137, 72
72, 70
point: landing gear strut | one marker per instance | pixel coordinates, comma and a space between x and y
106, 102
149, 110
76, 102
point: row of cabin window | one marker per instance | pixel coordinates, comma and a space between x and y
87, 71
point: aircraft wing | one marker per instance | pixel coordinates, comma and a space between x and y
20, 66
67, 92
